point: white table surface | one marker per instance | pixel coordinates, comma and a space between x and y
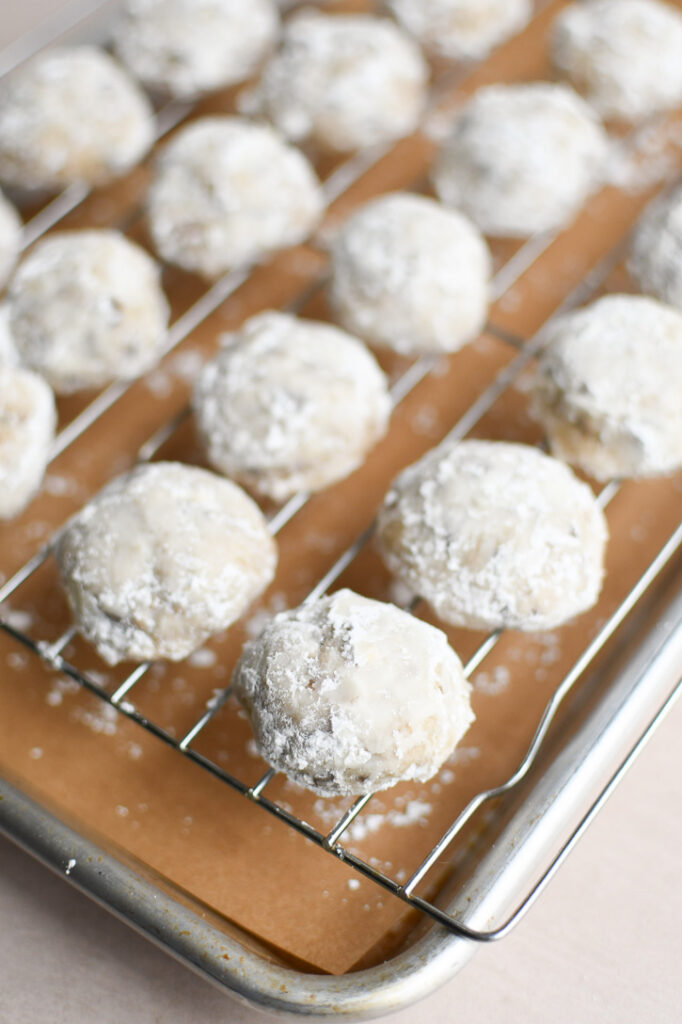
602, 946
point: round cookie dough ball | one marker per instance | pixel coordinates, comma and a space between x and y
521, 159
495, 535
656, 254
27, 425
10, 238
624, 56
162, 558
187, 47
86, 307
228, 192
462, 29
290, 405
609, 387
409, 275
342, 81
71, 115
348, 695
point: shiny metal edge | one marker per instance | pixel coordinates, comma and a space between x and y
601, 751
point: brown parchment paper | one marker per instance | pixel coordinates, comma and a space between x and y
117, 782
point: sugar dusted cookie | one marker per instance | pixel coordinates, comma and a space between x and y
521, 159
227, 192
494, 535
408, 274
609, 387
71, 115
162, 558
347, 695
86, 308
290, 405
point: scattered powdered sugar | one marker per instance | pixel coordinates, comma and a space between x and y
35, 753
100, 718
70, 865
415, 812
17, 618
353, 884
204, 657
62, 486
493, 682
59, 688
260, 618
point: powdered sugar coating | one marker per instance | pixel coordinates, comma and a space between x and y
161, 558
609, 387
494, 535
86, 307
462, 29
8, 350
410, 275
71, 114
187, 47
290, 405
10, 237
521, 159
342, 81
227, 192
624, 56
27, 425
347, 695
655, 260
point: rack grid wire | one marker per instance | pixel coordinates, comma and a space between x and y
341, 179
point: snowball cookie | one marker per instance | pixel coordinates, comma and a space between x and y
71, 115
162, 558
410, 275
624, 56
10, 238
347, 695
291, 405
228, 192
462, 29
656, 254
609, 387
86, 307
27, 425
342, 81
494, 535
521, 159
186, 47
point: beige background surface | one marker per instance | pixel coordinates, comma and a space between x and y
601, 946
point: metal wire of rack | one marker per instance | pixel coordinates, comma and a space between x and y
51, 653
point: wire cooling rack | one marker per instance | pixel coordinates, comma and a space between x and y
121, 699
